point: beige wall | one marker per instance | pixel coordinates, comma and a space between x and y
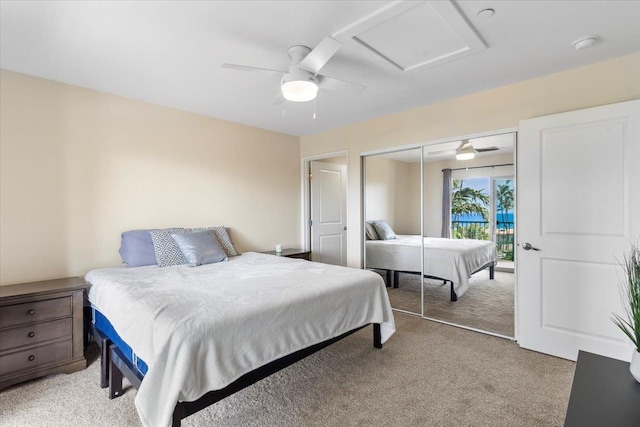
393, 193
598, 84
78, 167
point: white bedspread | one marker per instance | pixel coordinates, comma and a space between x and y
200, 328
450, 259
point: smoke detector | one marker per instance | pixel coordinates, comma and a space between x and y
585, 42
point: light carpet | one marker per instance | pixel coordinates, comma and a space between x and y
487, 304
427, 374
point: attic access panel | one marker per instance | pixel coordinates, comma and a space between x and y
411, 36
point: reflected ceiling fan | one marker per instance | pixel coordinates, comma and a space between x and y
465, 151
300, 83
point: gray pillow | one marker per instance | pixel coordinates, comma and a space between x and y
384, 230
224, 240
165, 248
371, 231
200, 248
136, 248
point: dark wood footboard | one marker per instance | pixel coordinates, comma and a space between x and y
119, 366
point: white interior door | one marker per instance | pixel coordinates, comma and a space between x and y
329, 213
578, 202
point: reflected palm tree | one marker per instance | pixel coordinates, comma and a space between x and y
504, 238
469, 201
504, 194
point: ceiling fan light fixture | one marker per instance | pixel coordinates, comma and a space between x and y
465, 156
465, 151
299, 88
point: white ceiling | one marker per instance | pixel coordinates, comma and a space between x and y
170, 53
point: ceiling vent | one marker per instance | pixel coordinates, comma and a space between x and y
411, 36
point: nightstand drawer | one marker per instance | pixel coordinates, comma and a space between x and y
34, 334
18, 314
34, 357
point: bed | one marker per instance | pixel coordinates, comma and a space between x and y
450, 260
187, 337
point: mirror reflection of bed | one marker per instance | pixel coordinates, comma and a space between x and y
468, 277
392, 195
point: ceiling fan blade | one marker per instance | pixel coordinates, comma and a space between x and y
248, 68
339, 85
279, 99
318, 57
442, 153
484, 150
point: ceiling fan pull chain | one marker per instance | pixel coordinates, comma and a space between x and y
314, 108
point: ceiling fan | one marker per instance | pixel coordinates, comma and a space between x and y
465, 151
300, 83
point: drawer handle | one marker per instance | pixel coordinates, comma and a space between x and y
31, 334
31, 312
32, 358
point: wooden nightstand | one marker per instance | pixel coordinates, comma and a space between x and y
292, 253
41, 329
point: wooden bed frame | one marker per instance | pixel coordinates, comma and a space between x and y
396, 276
114, 365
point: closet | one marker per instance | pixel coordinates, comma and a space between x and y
418, 204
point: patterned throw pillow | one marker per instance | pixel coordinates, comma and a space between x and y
223, 239
167, 251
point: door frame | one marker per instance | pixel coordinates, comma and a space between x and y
305, 188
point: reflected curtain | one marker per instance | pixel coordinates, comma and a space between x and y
446, 203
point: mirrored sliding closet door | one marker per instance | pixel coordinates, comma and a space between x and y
392, 214
439, 227
469, 205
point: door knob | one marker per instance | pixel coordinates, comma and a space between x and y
527, 246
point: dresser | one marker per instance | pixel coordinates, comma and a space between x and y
292, 253
41, 329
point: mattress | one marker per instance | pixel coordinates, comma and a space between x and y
103, 324
201, 328
451, 259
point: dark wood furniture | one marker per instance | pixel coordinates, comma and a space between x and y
115, 366
292, 253
603, 394
41, 329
